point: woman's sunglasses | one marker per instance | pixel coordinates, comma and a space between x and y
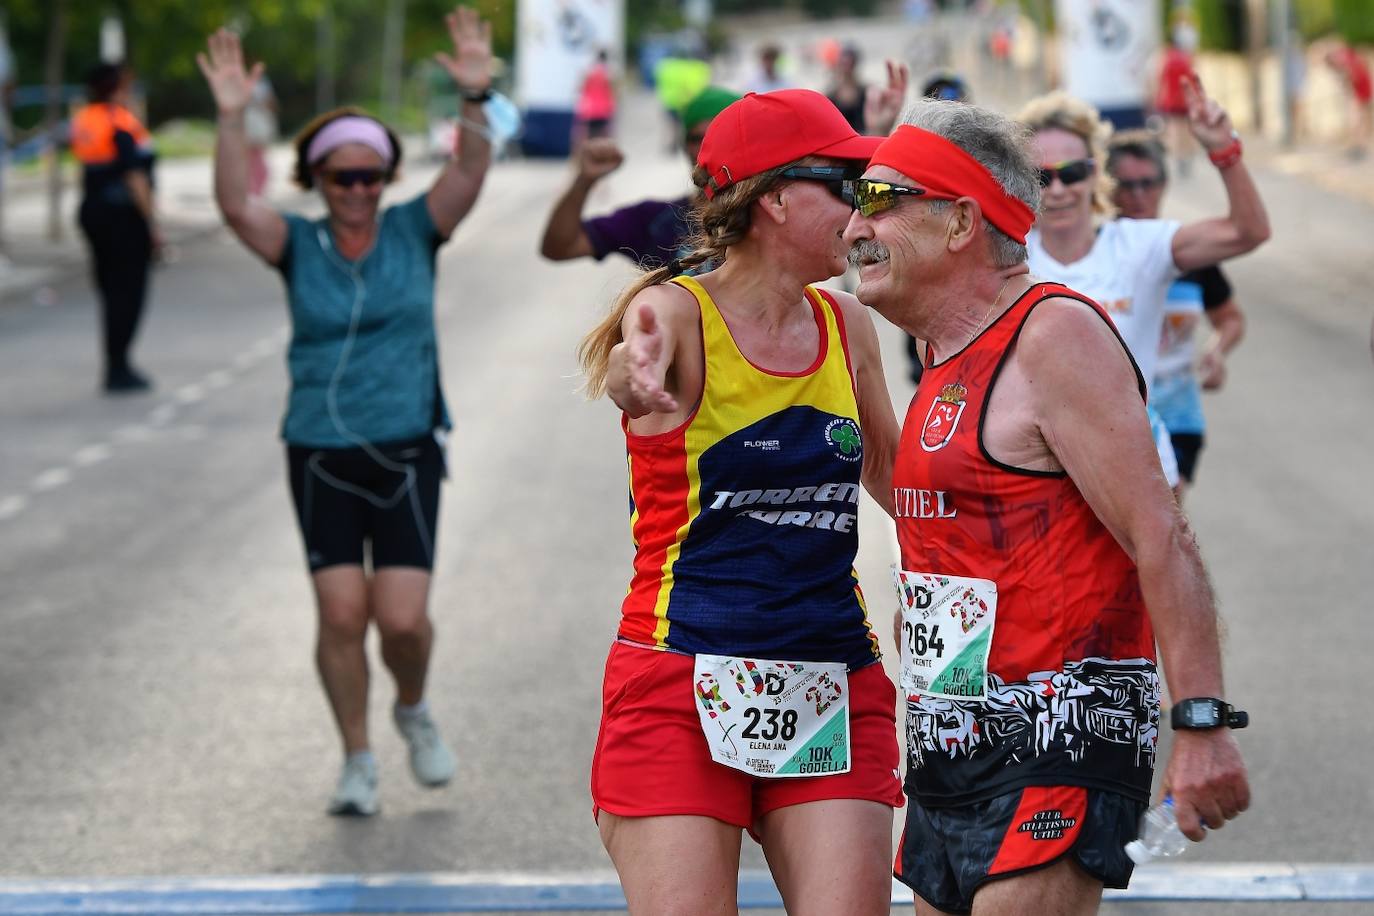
1068, 172
1139, 184
870, 197
347, 178
836, 178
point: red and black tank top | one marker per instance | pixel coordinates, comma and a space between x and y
1073, 693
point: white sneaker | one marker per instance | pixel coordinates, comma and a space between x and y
356, 794
430, 759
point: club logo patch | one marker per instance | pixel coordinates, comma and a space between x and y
843, 436
943, 417
1048, 825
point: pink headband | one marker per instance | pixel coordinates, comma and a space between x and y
349, 129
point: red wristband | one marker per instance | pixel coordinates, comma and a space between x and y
1227, 156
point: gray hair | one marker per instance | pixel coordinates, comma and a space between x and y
999, 144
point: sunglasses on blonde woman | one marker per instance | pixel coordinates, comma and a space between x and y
1068, 173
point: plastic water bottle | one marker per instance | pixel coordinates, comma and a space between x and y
1159, 837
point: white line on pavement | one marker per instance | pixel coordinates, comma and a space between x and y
162, 414
51, 479
11, 506
92, 454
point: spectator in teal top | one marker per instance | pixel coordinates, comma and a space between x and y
365, 406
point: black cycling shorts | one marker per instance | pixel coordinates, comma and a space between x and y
352, 507
946, 854
1187, 446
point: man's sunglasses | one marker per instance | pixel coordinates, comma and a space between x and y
347, 178
870, 197
1068, 172
836, 178
1139, 184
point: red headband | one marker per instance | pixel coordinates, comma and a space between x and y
948, 173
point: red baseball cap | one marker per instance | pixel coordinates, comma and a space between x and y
764, 131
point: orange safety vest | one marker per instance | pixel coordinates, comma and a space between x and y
93, 132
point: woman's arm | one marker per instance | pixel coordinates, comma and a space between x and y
1246, 226
455, 190
877, 419
258, 226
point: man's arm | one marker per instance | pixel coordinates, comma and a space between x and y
1228, 325
1092, 417
564, 238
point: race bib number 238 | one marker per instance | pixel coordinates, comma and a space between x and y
774, 718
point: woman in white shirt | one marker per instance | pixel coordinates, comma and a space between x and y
1128, 265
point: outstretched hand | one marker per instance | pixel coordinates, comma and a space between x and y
639, 368
882, 104
470, 63
1209, 121
231, 85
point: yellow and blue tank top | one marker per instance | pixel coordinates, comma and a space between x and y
745, 517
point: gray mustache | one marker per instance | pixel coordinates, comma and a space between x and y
869, 250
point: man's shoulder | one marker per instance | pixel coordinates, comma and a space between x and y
1062, 323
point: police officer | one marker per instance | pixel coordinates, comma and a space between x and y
116, 216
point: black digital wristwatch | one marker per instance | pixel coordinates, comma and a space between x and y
1201, 713
474, 95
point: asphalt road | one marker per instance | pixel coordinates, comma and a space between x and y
159, 712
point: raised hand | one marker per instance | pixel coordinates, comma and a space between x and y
231, 85
882, 104
470, 63
1208, 120
598, 158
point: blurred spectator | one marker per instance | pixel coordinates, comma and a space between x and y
1354, 72
1294, 82
652, 232
595, 102
846, 92
117, 213
768, 78
7, 81
1176, 68
260, 125
945, 86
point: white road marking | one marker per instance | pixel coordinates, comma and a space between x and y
92, 454
11, 506
51, 479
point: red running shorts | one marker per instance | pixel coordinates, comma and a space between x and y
652, 760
